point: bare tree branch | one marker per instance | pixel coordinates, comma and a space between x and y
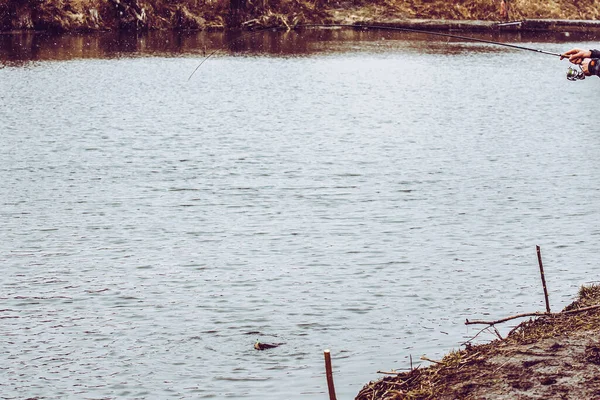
533, 314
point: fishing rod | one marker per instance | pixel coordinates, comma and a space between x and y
572, 74
432, 33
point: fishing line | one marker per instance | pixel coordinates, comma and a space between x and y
229, 42
389, 28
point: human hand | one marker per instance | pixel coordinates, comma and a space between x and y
576, 56
585, 66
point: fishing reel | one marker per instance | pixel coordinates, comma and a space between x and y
575, 75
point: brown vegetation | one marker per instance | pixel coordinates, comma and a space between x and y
69, 15
556, 356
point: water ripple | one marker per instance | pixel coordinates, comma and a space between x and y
154, 229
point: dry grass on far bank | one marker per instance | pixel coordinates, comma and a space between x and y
206, 14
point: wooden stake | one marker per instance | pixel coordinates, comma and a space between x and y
539, 255
329, 374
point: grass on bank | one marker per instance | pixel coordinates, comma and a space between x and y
460, 371
69, 15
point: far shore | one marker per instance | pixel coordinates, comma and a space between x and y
588, 28
185, 15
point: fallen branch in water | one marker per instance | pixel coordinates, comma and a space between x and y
534, 314
499, 321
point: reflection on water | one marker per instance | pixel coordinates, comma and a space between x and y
24, 47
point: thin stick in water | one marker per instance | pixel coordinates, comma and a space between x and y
539, 256
329, 374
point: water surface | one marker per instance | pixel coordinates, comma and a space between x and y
363, 192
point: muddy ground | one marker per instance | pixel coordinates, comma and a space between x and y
551, 357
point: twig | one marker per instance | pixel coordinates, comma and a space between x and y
497, 333
282, 19
534, 314
580, 309
430, 360
539, 256
392, 372
512, 330
470, 357
478, 333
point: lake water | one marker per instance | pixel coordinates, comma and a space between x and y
358, 191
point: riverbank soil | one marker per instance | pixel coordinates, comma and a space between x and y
86, 15
552, 357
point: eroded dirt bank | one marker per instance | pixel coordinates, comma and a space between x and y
551, 357
85, 15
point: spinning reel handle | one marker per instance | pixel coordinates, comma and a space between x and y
575, 75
